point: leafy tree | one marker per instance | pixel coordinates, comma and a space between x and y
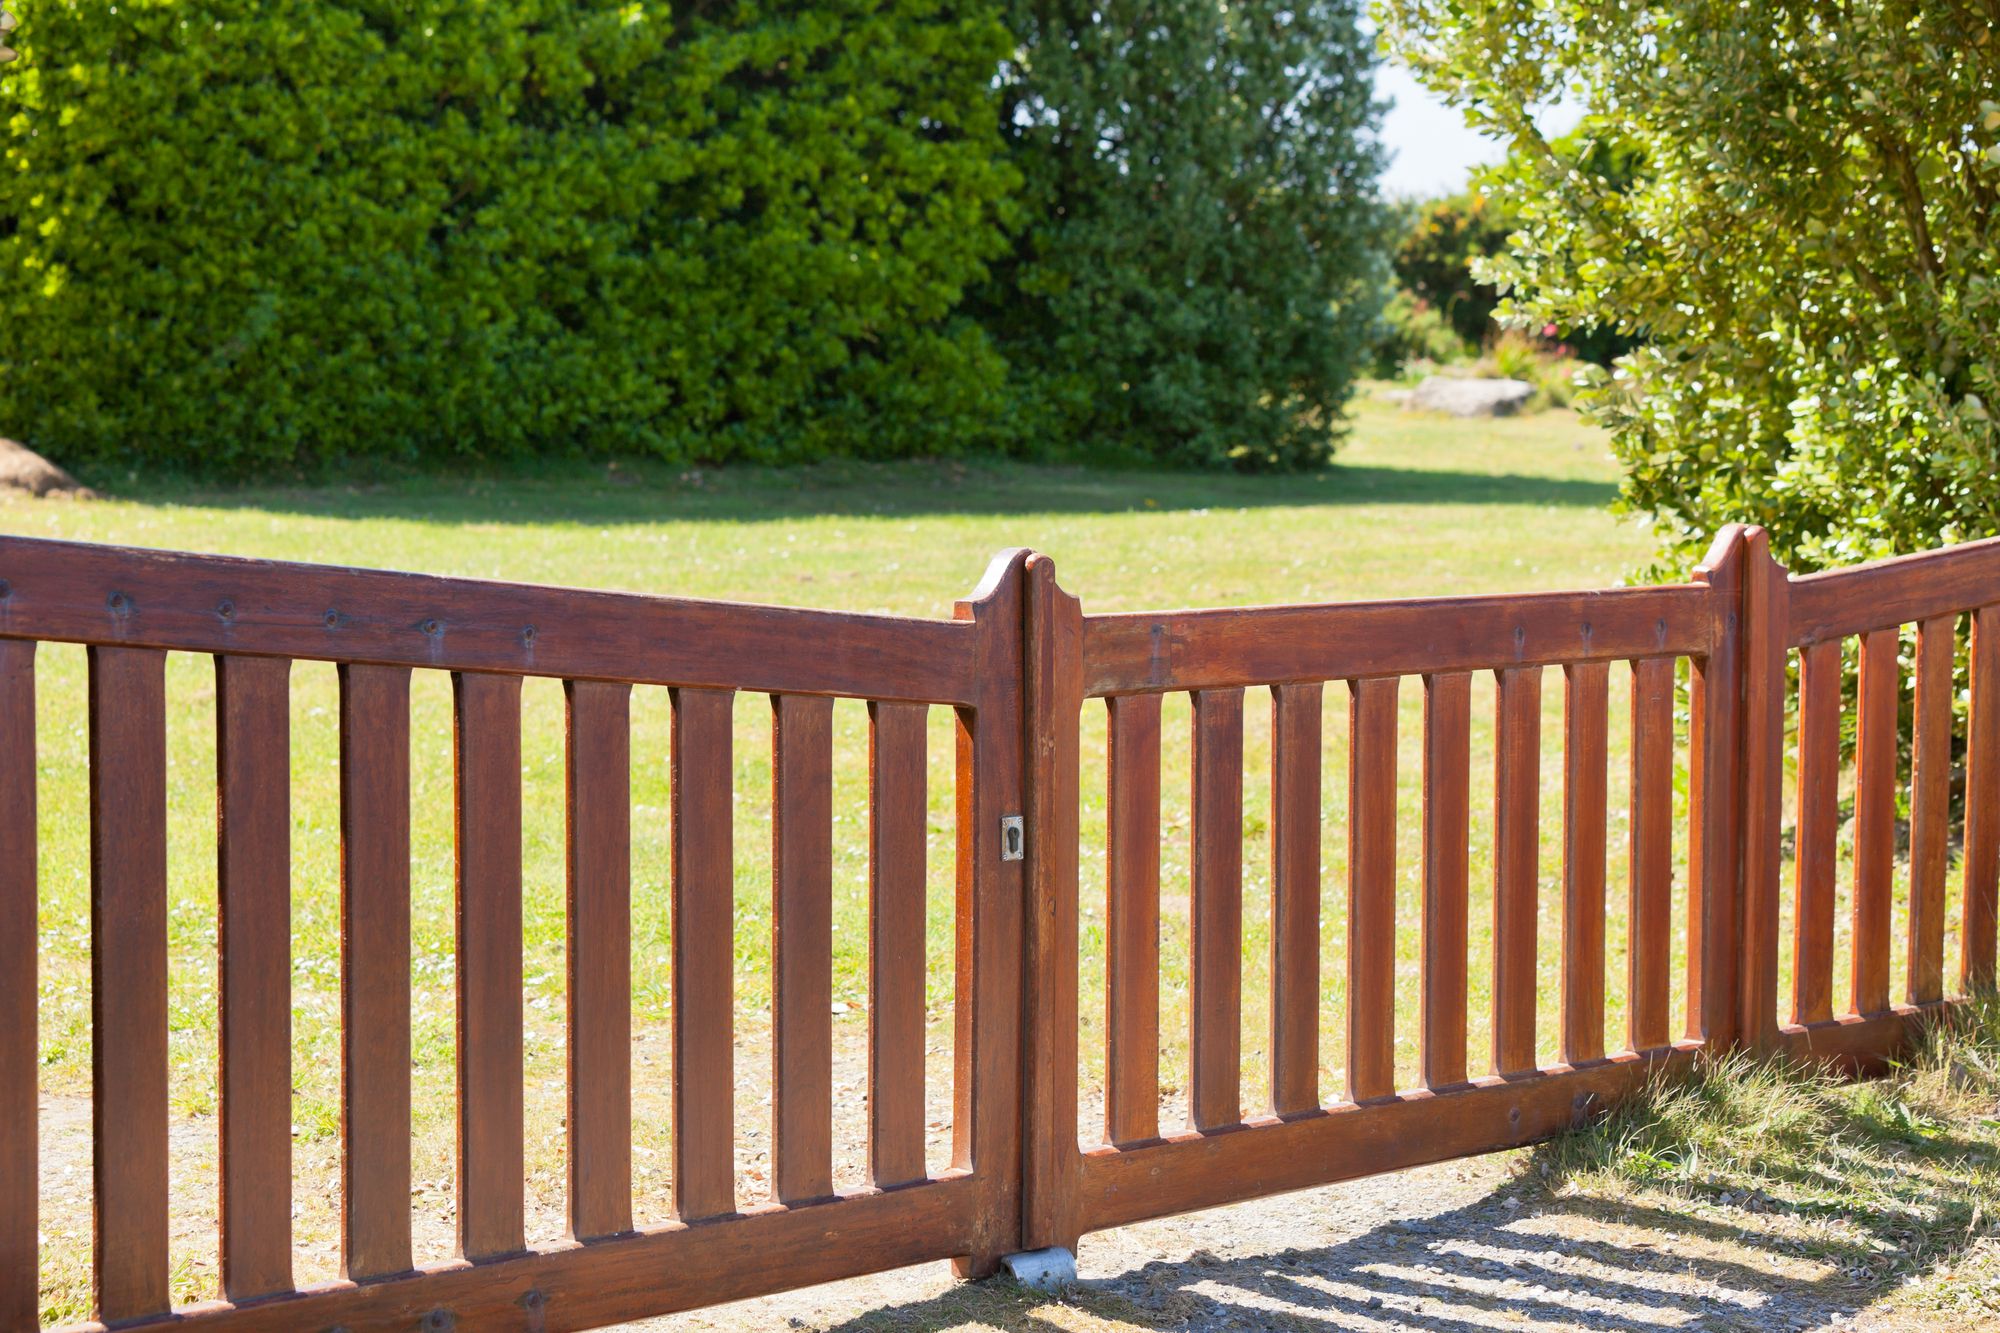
1203, 254
1434, 262
1810, 250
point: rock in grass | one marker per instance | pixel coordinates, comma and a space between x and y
1471, 398
22, 469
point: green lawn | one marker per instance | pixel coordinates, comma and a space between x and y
1414, 507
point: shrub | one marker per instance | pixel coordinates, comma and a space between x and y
238, 234
1203, 260
1413, 331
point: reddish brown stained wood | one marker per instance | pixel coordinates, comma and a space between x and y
487, 800
1189, 1171
1371, 889
659, 1271
128, 978
704, 953
987, 1102
1715, 899
166, 599
1818, 831
19, 1067
1930, 807
375, 970
1132, 919
1842, 602
896, 785
1053, 700
1204, 650
1650, 885
1295, 799
1516, 792
1585, 703
1765, 641
1857, 1046
1874, 818
1982, 804
597, 773
802, 947
1446, 814
1216, 871
253, 876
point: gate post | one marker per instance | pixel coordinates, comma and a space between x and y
986, 1084
1052, 681
1766, 643
1715, 805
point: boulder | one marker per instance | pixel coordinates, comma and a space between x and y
22, 469
1471, 398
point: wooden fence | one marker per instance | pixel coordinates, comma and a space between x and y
1017, 667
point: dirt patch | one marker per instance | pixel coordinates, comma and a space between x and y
24, 471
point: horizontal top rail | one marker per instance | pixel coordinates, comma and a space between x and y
83, 592
1896, 591
1191, 650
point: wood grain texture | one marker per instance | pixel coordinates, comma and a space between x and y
1054, 703
1586, 701
1766, 627
1446, 815
1295, 888
1516, 852
1818, 832
896, 857
1715, 853
254, 943
79, 591
597, 794
1216, 875
801, 947
1930, 806
1897, 591
128, 979
1874, 818
19, 1065
1371, 889
375, 970
1982, 804
487, 802
1204, 650
1132, 919
1649, 907
704, 955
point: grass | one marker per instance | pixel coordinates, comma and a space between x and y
1415, 507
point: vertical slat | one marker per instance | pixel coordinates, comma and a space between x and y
128, 978
1930, 806
1715, 851
1516, 797
487, 798
597, 772
375, 969
704, 951
1874, 818
1052, 701
1585, 703
1982, 804
1132, 925
802, 947
1216, 990
18, 1064
1446, 815
1818, 831
1766, 638
1295, 799
254, 941
1371, 889
896, 781
1650, 887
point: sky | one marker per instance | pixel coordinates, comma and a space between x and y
1432, 150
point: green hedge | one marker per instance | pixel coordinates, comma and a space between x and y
244, 233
